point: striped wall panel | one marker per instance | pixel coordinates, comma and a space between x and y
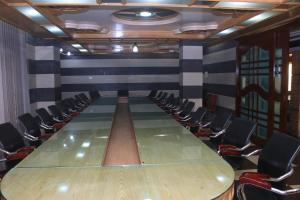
219, 68
109, 73
191, 71
44, 74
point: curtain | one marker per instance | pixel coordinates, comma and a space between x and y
14, 84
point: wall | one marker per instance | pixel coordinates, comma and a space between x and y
191, 76
44, 72
138, 73
219, 67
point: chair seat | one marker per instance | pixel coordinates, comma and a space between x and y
256, 193
20, 154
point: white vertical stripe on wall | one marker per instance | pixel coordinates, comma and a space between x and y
13, 64
191, 78
192, 52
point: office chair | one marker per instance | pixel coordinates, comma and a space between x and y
47, 121
58, 114
185, 113
195, 118
84, 98
94, 95
32, 131
217, 126
275, 165
152, 94
12, 145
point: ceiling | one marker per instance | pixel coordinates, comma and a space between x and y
113, 26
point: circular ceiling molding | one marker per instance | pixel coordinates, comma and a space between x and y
196, 27
88, 27
146, 16
67, 10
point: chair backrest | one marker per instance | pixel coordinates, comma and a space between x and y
94, 94
199, 114
83, 96
45, 116
176, 101
163, 96
56, 112
10, 137
189, 107
30, 124
67, 103
278, 154
159, 94
239, 132
170, 98
221, 120
152, 93
65, 109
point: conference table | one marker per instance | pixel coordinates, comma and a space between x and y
174, 164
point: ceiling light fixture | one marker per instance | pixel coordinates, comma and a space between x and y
259, 18
69, 53
145, 14
76, 45
61, 50
83, 50
135, 48
227, 31
55, 30
243, 5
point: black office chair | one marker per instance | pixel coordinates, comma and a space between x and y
166, 101
94, 95
163, 96
171, 105
80, 101
237, 136
152, 94
275, 165
215, 127
185, 113
67, 112
32, 131
12, 145
57, 113
70, 105
84, 97
179, 108
47, 121
194, 118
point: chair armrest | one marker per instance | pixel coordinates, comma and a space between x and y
217, 134
255, 179
255, 152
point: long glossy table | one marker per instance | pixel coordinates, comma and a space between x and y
175, 164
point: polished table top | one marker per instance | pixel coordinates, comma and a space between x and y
175, 164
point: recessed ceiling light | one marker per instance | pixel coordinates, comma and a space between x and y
249, 5
259, 18
83, 50
145, 14
227, 31
77, 45
135, 48
28, 11
55, 30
